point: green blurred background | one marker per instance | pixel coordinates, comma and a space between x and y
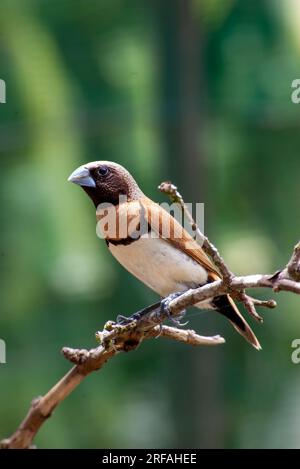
196, 91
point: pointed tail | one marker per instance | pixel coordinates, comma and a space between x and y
225, 305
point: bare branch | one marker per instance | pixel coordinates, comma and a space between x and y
172, 191
271, 304
250, 306
293, 266
188, 336
114, 340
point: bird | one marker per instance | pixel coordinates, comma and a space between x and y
149, 242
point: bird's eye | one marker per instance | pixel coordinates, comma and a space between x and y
103, 170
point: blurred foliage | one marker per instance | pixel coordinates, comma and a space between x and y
193, 90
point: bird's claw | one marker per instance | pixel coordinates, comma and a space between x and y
165, 309
124, 319
177, 320
138, 315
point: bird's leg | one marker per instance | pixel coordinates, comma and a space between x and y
165, 309
162, 307
138, 315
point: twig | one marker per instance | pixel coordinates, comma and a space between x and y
117, 338
271, 304
249, 304
293, 266
172, 191
285, 279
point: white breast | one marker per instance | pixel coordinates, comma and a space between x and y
159, 265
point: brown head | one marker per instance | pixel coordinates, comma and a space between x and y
105, 181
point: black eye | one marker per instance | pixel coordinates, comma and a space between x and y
103, 170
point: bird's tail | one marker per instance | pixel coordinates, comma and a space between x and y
225, 305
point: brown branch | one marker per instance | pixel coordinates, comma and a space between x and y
288, 279
293, 266
271, 304
237, 284
126, 336
175, 196
249, 304
115, 339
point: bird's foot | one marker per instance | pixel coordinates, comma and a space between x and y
124, 319
165, 309
138, 315
162, 307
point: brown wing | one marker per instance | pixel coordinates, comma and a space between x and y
168, 228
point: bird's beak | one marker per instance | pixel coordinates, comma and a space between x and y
82, 177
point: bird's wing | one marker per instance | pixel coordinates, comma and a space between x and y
142, 216
168, 228
160, 221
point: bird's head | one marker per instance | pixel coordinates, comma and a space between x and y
105, 181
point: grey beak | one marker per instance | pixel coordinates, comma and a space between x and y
82, 177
